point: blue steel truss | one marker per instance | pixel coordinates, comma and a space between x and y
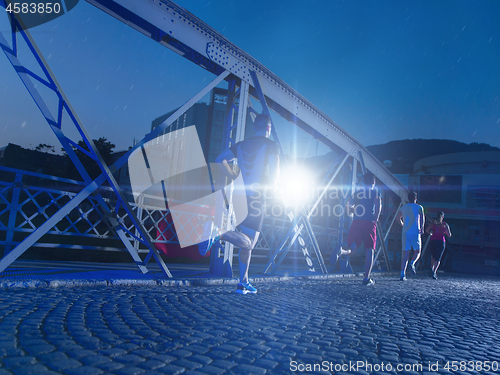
110, 211
177, 29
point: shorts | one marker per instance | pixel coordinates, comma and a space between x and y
437, 248
411, 240
256, 213
362, 231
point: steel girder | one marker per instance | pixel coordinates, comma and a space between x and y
185, 34
188, 36
70, 145
56, 123
234, 132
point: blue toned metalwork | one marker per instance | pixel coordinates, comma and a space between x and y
24, 207
56, 126
183, 33
303, 220
234, 131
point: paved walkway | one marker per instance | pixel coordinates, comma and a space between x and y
289, 327
42, 274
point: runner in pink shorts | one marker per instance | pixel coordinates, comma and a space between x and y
367, 204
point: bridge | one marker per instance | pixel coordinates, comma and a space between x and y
183, 33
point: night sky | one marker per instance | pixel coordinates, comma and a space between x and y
382, 70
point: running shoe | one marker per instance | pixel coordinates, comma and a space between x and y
403, 278
210, 231
244, 288
413, 268
335, 257
434, 276
368, 281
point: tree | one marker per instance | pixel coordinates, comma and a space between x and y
42, 147
102, 145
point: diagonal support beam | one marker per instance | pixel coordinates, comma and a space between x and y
265, 110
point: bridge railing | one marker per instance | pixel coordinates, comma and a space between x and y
28, 199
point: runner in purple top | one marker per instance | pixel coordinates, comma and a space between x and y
438, 230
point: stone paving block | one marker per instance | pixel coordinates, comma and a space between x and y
258, 347
143, 353
84, 370
19, 361
62, 365
226, 365
279, 357
218, 354
186, 363
310, 358
93, 360
266, 363
276, 345
110, 366
172, 370
127, 346
180, 353
151, 364
297, 348
129, 359
212, 370
204, 360
248, 369
349, 352
28, 370
80, 353
112, 352
389, 358
52, 357
130, 370
164, 358
253, 341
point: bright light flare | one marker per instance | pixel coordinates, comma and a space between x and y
297, 185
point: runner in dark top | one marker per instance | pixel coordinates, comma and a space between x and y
258, 160
367, 204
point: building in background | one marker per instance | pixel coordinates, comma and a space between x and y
466, 187
209, 121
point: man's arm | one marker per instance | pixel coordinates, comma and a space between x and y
448, 231
223, 158
429, 229
422, 219
399, 218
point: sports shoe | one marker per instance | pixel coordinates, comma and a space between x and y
368, 281
434, 276
210, 231
403, 278
335, 257
244, 288
413, 268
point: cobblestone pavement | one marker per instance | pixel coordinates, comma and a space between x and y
288, 327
